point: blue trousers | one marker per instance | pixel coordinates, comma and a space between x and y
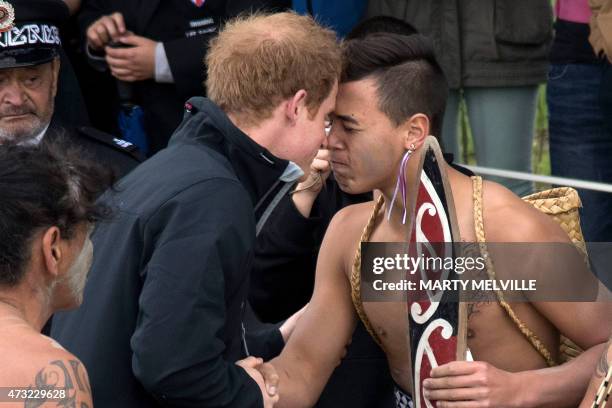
579, 100
502, 122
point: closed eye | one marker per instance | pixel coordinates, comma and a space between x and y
349, 129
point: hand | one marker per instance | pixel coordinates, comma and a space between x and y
104, 30
306, 192
472, 384
136, 63
289, 326
319, 171
264, 374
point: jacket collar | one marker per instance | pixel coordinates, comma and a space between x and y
257, 169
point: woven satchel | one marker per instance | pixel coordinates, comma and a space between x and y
563, 204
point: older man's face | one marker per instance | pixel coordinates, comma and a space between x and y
26, 101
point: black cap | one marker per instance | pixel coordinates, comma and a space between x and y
29, 31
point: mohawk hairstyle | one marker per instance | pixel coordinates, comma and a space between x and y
408, 76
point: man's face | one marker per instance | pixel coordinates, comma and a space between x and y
365, 145
26, 101
301, 147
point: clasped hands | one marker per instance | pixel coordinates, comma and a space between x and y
136, 61
265, 376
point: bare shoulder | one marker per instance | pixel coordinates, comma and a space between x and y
350, 221
42, 364
345, 230
508, 218
62, 370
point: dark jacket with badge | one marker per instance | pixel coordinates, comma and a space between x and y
114, 153
161, 322
185, 30
481, 43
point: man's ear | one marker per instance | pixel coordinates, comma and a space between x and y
52, 250
416, 129
55, 67
295, 105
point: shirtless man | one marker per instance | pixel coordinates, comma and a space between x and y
47, 206
392, 96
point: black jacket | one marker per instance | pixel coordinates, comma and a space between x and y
161, 320
286, 253
182, 28
116, 154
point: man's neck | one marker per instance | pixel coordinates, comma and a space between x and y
25, 303
265, 134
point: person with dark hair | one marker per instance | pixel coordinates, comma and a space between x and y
29, 70
392, 96
47, 210
405, 85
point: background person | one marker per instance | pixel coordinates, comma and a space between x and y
47, 210
580, 137
29, 73
167, 42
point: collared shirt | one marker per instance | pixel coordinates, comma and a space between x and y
36, 140
163, 74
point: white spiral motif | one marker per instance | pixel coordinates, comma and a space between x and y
425, 348
432, 209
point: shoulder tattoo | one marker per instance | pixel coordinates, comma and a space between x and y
68, 378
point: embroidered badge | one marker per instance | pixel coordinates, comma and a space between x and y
7, 16
30, 34
198, 3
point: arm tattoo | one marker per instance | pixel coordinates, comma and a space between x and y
57, 375
604, 365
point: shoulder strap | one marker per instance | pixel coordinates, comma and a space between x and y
356, 272
481, 238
